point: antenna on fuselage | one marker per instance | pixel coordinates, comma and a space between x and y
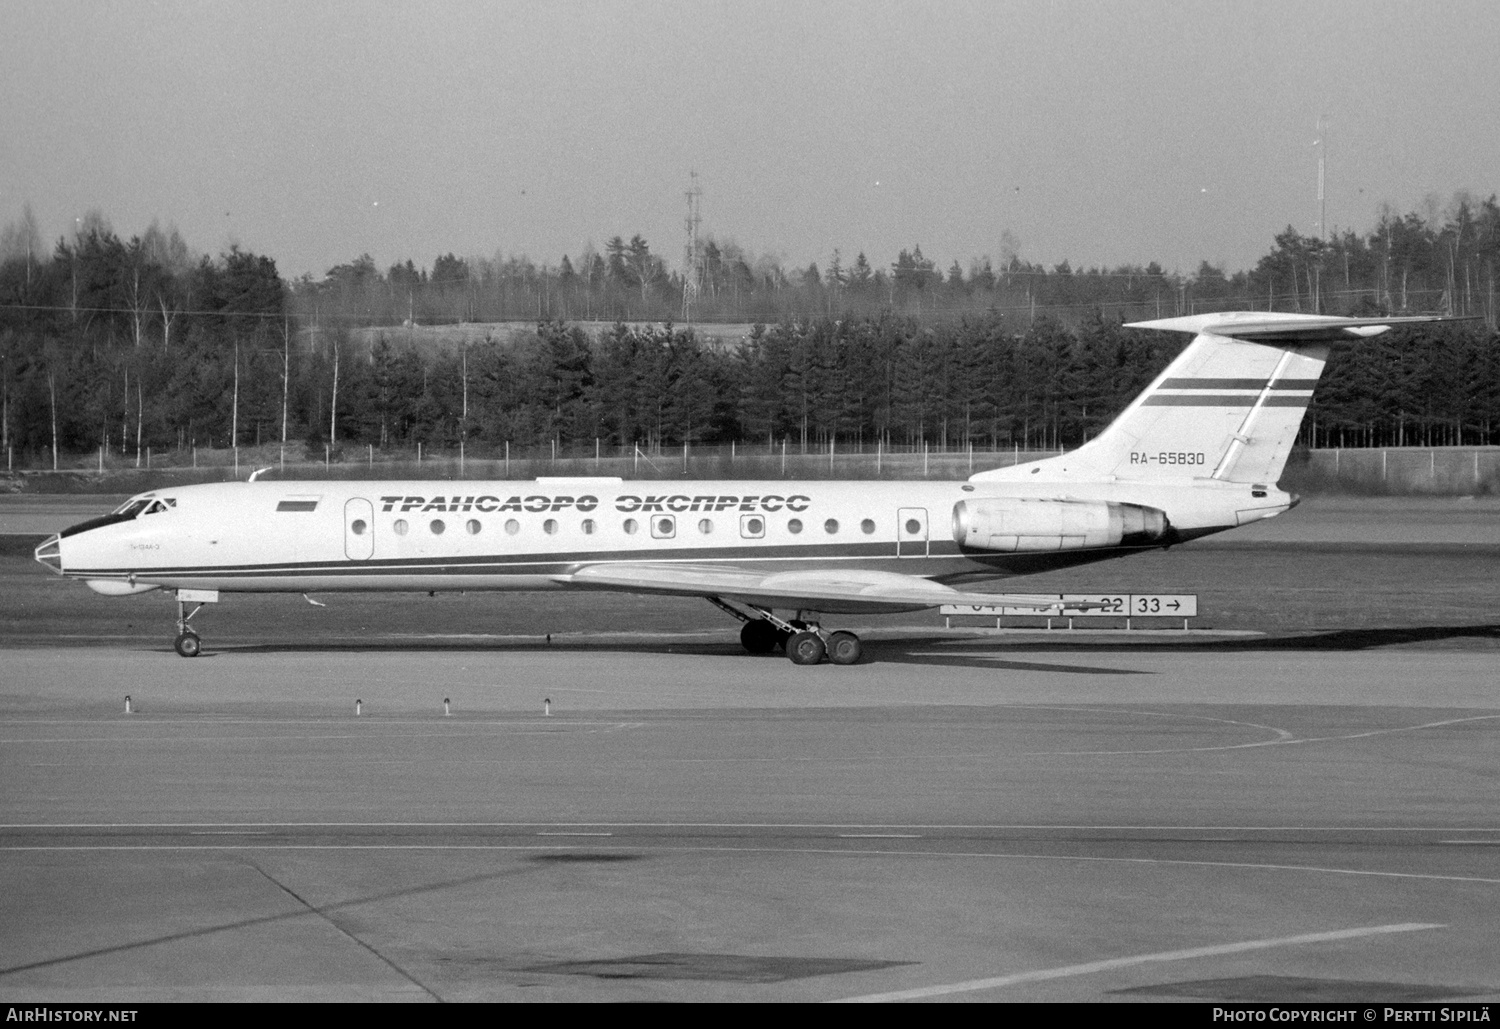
257, 472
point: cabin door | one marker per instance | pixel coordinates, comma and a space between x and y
359, 529
911, 532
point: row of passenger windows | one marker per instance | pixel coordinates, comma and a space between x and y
661, 527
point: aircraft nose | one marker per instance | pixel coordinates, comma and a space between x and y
50, 553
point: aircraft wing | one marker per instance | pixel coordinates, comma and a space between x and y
830, 590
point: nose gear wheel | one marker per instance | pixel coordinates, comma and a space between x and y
187, 643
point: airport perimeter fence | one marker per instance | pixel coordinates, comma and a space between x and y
1403, 471
1396, 471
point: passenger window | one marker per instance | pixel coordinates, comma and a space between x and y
358, 526
631, 527
664, 527
473, 526
794, 526
437, 526
705, 526
867, 526
400, 527
550, 526
831, 526
752, 527
512, 526
588, 526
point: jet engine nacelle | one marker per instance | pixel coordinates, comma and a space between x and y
1025, 526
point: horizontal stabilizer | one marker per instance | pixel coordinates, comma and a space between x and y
1260, 325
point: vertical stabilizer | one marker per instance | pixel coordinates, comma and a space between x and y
1228, 408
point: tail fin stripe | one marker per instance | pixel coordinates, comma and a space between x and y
1212, 384
1237, 384
1255, 384
1201, 400
1288, 401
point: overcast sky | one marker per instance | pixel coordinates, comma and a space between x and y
1099, 132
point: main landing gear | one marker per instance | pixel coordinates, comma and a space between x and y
804, 642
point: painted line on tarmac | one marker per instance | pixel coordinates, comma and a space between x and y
1282, 735
230, 832
1189, 954
667, 848
1283, 742
1471, 843
575, 834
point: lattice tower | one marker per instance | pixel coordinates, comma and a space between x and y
692, 272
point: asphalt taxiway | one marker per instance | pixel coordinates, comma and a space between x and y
958, 820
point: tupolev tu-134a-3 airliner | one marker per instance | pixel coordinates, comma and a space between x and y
1198, 452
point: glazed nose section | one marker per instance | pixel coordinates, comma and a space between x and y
50, 553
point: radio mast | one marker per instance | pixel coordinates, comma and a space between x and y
691, 272
1322, 145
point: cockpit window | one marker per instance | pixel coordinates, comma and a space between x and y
132, 508
136, 506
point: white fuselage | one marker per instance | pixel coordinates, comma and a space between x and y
283, 536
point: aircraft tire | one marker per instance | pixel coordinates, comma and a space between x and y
759, 636
187, 644
805, 648
844, 648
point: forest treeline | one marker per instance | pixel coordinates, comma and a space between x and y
1435, 261
141, 343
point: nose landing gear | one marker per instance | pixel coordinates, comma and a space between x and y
187, 642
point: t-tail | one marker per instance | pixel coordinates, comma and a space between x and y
1228, 408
